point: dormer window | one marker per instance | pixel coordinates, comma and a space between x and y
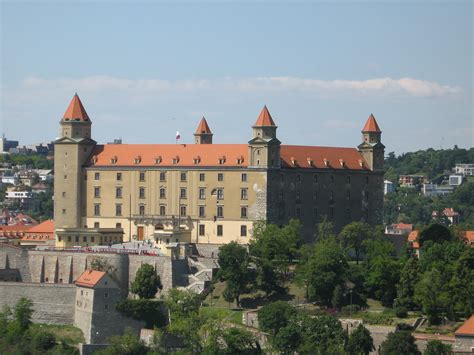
221, 160
361, 163
94, 159
158, 160
342, 162
240, 160
113, 160
310, 161
196, 160
175, 160
138, 159
326, 162
293, 161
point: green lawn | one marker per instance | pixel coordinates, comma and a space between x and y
65, 333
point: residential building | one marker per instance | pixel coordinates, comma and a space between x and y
412, 180
206, 192
413, 241
455, 180
6, 145
449, 213
388, 187
464, 336
464, 169
468, 238
399, 228
437, 190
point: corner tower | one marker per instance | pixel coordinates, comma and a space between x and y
71, 153
371, 147
203, 134
264, 147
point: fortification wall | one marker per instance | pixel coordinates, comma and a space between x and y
53, 304
162, 265
208, 250
15, 258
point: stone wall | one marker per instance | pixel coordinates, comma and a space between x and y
53, 304
208, 250
162, 265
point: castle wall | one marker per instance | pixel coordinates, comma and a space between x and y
162, 265
52, 304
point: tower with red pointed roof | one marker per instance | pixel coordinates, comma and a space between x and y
203, 134
371, 147
264, 147
72, 151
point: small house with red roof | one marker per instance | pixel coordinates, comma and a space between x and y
468, 238
449, 213
464, 336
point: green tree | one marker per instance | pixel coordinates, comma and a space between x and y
360, 341
149, 311
146, 283
23, 311
461, 286
274, 316
409, 277
182, 303
289, 338
126, 344
352, 237
233, 262
239, 341
436, 347
324, 230
44, 341
325, 269
432, 294
401, 342
322, 335
436, 233
383, 276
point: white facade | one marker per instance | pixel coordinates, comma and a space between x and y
464, 169
437, 190
455, 180
388, 187
10, 180
19, 194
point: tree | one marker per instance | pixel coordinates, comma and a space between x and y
322, 335
239, 341
436, 347
126, 344
23, 311
274, 316
233, 262
436, 233
338, 297
360, 341
382, 278
149, 311
324, 230
352, 237
182, 304
401, 342
409, 277
289, 338
324, 270
462, 283
44, 341
146, 283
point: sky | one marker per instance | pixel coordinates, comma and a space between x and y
146, 69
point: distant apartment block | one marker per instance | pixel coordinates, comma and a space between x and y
399, 228
455, 180
388, 187
437, 190
464, 169
6, 145
412, 180
449, 213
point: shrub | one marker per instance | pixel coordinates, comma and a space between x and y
44, 340
149, 311
377, 318
401, 312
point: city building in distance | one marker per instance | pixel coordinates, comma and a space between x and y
207, 193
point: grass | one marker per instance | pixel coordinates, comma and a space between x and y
65, 333
223, 314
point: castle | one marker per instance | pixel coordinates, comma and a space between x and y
206, 193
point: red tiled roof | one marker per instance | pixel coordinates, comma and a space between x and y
185, 155
14, 231
469, 236
44, 227
203, 127
371, 125
314, 157
76, 110
402, 226
467, 328
413, 239
264, 119
90, 278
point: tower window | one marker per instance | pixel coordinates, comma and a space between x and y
202, 230
119, 176
202, 211
97, 176
220, 230
244, 177
243, 231
220, 177
142, 176
162, 193
220, 211
162, 210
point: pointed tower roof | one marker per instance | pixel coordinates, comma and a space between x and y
371, 125
76, 111
203, 127
264, 119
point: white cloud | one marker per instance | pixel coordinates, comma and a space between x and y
278, 84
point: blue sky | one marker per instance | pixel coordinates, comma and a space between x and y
144, 70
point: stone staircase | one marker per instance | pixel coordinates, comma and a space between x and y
203, 269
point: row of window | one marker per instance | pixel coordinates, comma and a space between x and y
91, 239
182, 193
365, 195
183, 176
332, 178
182, 211
220, 230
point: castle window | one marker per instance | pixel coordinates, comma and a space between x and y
92, 239
202, 177
298, 212
244, 177
315, 179
60, 239
331, 197
162, 176
141, 210
243, 231
106, 295
258, 161
348, 213
64, 193
243, 194
97, 192
298, 178
280, 194
331, 179
114, 160
182, 211
298, 197
348, 179
315, 213
243, 212
84, 239
158, 160
182, 192
183, 176
69, 238
118, 192
118, 210
348, 194
106, 306
142, 176
331, 212
141, 192
202, 211
258, 151
220, 211
366, 180
220, 194
162, 193
96, 210
315, 195
96, 224
282, 178
220, 230
220, 177
162, 210
202, 230
97, 176
119, 176
65, 177
137, 160
202, 194
76, 239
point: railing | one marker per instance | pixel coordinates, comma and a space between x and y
101, 250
